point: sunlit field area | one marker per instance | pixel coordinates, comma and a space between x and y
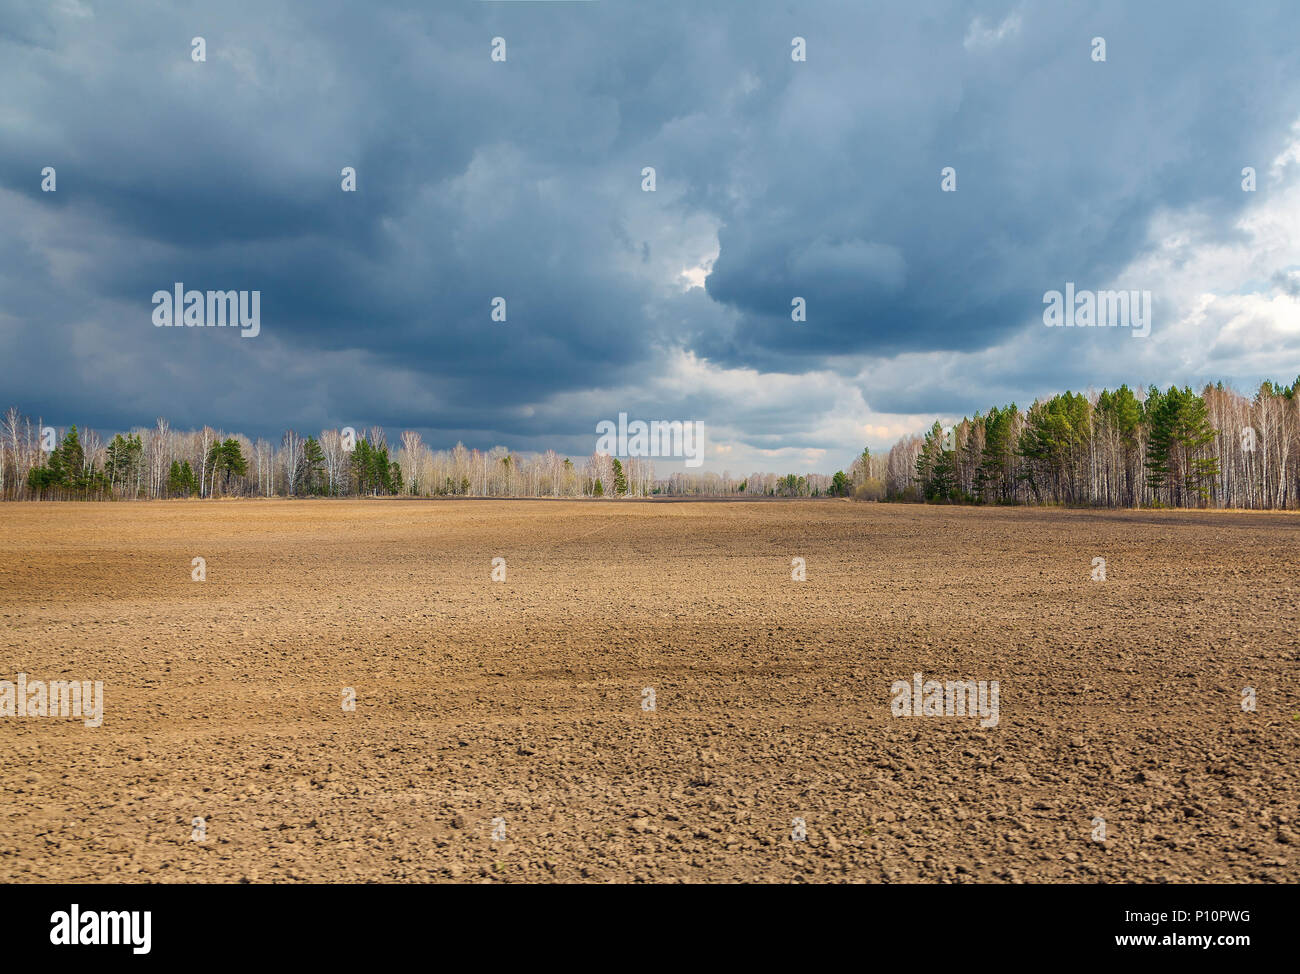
639, 691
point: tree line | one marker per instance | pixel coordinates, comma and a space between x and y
1120, 448
164, 463
161, 462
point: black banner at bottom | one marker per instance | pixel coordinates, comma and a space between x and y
341, 923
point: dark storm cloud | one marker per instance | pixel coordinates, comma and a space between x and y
522, 179
1060, 164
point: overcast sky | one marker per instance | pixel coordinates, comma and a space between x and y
522, 178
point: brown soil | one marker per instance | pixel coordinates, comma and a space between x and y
522, 700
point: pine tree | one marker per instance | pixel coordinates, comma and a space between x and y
227, 458
1177, 458
934, 466
64, 471
72, 461
313, 463
121, 459
180, 479
1119, 415
994, 480
1054, 445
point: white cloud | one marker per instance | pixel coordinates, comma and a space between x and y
1225, 308
754, 421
